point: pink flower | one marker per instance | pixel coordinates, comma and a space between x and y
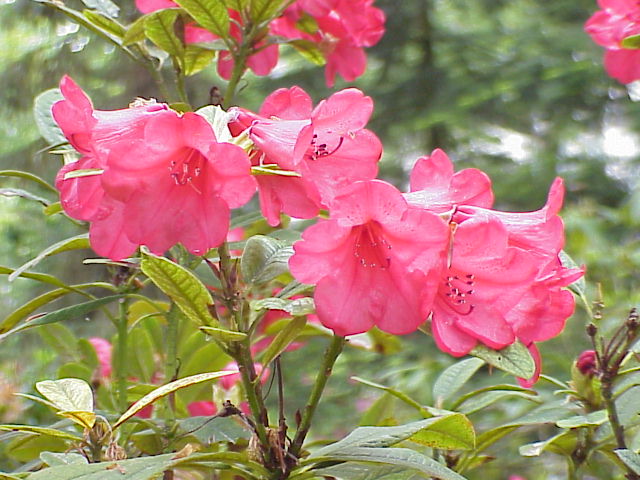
344, 28
504, 280
164, 177
328, 147
375, 262
202, 409
103, 350
608, 27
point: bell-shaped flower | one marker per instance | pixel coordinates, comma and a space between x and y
375, 262
325, 149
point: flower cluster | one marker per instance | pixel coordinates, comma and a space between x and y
148, 176
618, 19
339, 28
439, 253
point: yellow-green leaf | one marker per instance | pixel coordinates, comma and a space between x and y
72, 397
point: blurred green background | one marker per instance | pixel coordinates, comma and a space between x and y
514, 87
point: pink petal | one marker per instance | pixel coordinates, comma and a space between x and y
287, 104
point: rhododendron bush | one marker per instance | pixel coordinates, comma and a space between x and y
232, 237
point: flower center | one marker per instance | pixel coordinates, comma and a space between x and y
317, 150
186, 167
371, 249
457, 291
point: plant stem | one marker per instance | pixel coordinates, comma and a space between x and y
182, 92
171, 346
121, 357
333, 351
239, 68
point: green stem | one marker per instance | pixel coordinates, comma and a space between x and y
253, 391
182, 92
171, 345
239, 67
121, 354
333, 351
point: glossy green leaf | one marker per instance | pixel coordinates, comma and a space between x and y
224, 335
73, 243
32, 305
72, 397
451, 432
159, 28
106, 8
263, 10
47, 126
631, 42
264, 258
105, 23
62, 340
75, 370
368, 471
179, 284
210, 14
140, 360
53, 209
396, 393
514, 359
50, 432
309, 50
196, 59
209, 430
165, 390
29, 176
563, 444
63, 314
39, 277
54, 459
629, 458
453, 379
590, 419
401, 457
297, 307
135, 32
283, 339
487, 398
18, 192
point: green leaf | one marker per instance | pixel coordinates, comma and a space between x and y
283, 339
263, 10
196, 59
224, 335
264, 258
451, 432
478, 402
53, 209
632, 42
237, 5
106, 8
140, 360
209, 430
246, 219
367, 471
135, 31
159, 28
297, 307
18, 192
29, 176
562, 444
72, 397
165, 390
309, 50
377, 437
66, 313
396, 393
210, 14
579, 287
54, 459
454, 378
47, 126
591, 419
39, 277
32, 305
73, 243
83, 172
100, 20
402, 457
179, 284
514, 359
75, 370
50, 432
629, 458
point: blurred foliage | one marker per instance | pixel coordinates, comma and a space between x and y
512, 87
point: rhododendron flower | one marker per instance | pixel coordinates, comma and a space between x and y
504, 280
608, 27
202, 408
103, 350
163, 177
328, 147
587, 363
376, 261
344, 28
